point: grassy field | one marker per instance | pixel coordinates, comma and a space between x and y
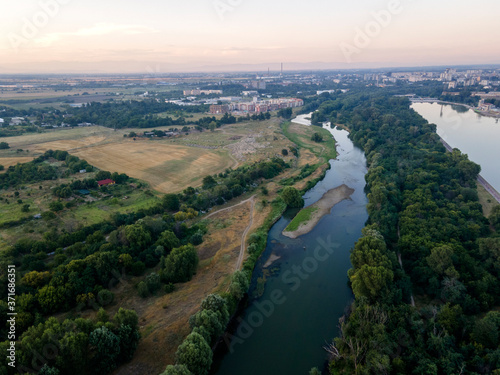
121, 199
486, 200
301, 136
302, 217
166, 166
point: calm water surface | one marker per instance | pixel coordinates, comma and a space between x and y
306, 292
475, 135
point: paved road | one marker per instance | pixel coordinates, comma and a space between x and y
490, 189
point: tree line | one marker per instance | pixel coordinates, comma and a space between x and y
423, 208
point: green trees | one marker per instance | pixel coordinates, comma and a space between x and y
168, 240
181, 264
423, 201
208, 182
370, 281
4, 145
239, 284
292, 197
210, 323
487, 330
176, 370
441, 262
171, 202
106, 348
495, 217
82, 346
285, 113
195, 354
56, 206
316, 137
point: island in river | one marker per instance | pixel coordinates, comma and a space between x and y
308, 217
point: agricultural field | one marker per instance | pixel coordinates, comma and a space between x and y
168, 165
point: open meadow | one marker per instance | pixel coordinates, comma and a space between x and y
168, 165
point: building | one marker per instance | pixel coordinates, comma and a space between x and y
259, 85
16, 121
217, 109
200, 92
105, 182
1, 121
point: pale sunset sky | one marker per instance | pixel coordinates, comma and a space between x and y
113, 36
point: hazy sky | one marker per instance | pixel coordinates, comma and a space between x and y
174, 35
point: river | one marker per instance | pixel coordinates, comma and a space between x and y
284, 330
473, 134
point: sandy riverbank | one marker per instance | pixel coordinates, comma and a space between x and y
319, 209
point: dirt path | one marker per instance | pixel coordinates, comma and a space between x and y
244, 235
247, 229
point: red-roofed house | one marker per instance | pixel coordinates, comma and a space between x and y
105, 182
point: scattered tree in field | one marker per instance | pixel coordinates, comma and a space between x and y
56, 206
284, 152
4, 145
316, 137
292, 198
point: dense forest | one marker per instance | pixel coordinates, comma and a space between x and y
426, 271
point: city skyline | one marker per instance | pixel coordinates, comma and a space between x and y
67, 36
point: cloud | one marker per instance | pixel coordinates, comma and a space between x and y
99, 29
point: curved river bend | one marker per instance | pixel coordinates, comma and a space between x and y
283, 331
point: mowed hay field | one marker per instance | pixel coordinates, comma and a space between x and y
167, 167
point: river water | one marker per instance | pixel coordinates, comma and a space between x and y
283, 331
473, 134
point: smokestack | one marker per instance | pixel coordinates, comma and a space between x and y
282, 69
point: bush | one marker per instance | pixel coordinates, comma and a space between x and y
153, 282
105, 297
142, 289
169, 288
